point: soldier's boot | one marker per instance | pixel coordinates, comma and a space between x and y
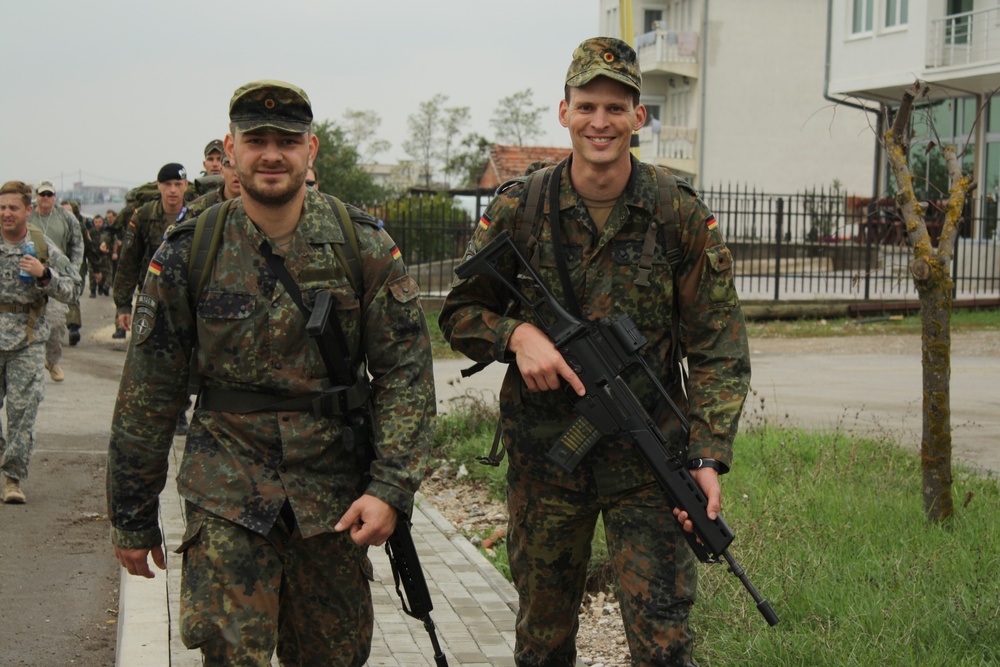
93, 291
55, 372
12, 493
119, 333
74, 333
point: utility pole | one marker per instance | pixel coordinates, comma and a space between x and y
628, 36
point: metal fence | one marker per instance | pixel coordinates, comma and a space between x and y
816, 245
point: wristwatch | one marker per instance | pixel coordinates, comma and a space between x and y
694, 464
46, 276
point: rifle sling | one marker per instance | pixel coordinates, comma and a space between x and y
569, 294
341, 374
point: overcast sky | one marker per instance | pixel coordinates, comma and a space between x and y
114, 89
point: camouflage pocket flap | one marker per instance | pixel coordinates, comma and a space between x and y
190, 535
721, 258
404, 289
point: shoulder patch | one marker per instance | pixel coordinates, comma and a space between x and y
145, 318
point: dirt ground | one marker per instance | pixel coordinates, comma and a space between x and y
58, 580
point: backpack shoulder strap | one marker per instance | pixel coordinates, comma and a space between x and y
352, 261
205, 245
669, 201
665, 219
532, 209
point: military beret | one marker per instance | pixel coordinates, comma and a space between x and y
604, 56
171, 172
214, 146
270, 105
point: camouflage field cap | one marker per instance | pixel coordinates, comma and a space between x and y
214, 146
604, 56
270, 105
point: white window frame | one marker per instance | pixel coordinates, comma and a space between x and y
862, 17
897, 14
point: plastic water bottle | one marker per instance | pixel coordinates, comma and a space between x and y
29, 249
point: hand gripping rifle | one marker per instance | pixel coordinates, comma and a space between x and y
407, 574
599, 352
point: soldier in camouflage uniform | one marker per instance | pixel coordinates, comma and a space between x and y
100, 264
279, 515
24, 328
144, 235
229, 189
59, 225
607, 200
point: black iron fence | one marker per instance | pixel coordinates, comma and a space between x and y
814, 245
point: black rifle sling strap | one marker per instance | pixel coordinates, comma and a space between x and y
569, 294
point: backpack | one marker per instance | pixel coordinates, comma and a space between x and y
37, 308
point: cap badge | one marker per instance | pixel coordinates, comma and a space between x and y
269, 103
609, 57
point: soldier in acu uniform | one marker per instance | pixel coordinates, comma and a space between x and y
27, 284
606, 202
279, 513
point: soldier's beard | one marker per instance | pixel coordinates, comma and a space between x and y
272, 195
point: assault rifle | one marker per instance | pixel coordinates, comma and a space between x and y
599, 352
411, 586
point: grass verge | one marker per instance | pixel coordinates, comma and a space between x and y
830, 528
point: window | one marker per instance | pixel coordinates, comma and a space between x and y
652, 19
861, 16
896, 13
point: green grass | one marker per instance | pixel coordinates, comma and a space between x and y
961, 321
830, 528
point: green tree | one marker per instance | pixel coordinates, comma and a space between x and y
470, 160
339, 169
516, 119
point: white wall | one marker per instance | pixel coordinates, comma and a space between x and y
767, 123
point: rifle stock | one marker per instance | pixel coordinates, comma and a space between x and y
599, 352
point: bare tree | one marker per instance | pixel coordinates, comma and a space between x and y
424, 127
516, 119
930, 269
455, 118
361, 128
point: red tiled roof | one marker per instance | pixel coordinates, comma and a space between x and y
506, 162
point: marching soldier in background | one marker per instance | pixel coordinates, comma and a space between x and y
63, 229
30, 281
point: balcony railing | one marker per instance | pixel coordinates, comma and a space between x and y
671, 142
969, 38
659, 48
